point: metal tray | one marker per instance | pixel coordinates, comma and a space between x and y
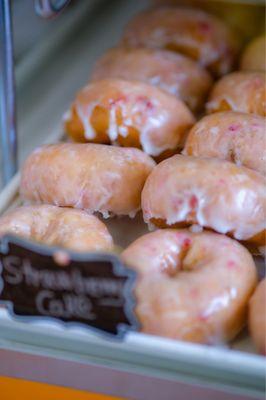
234, 369
142, 366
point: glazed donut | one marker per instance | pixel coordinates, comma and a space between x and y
257, 317
192, 32
191, 286
239, 91
131, 114
56, 226
253, 58
172, 72
92, 177
212, 193
245, 19
231, 136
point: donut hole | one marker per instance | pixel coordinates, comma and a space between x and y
191, 256
174, 263
195, 257
232, 156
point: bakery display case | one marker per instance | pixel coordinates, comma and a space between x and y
123, 350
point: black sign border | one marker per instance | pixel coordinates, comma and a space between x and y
118, 267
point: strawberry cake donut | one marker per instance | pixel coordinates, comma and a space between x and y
231, 136
212, 193
191, 286
92, 177
192, 32
130, 114
56, 226
239, 91
172, 72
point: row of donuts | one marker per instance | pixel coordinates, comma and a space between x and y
181, 191
118, 108
181, 51
124, 104
192, 286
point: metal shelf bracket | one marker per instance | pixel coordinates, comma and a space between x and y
8, 133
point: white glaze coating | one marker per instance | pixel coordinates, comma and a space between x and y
172, 72
57, 226
208, 192
88, 176
192, 32
191, 286
239, 91
161, 120
83, 113
232, 136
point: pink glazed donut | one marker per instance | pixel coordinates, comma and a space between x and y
231, 136
92, 177
239, 91
191, 286
194, 33
57, 226
212, 193
129, 114
172, 72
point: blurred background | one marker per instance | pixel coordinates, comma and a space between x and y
53, 58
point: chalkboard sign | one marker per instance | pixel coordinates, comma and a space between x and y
92, 289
